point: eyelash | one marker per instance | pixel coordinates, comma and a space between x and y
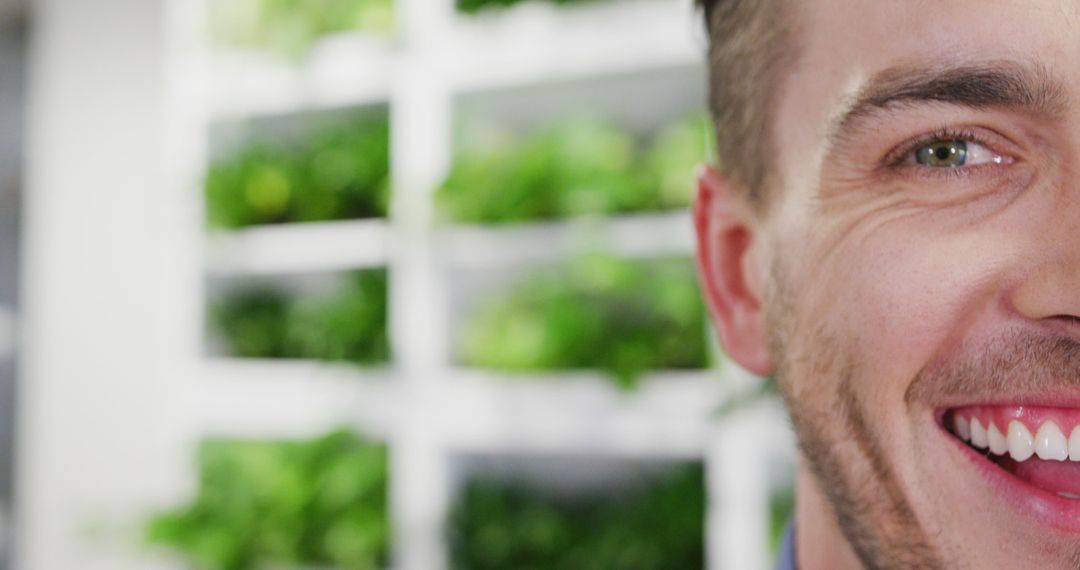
896, 158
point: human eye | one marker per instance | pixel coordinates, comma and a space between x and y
949, 150
954, 154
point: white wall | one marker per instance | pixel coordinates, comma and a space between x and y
95, 203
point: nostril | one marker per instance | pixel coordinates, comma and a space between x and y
1070, 319
1065, 324
1047, 294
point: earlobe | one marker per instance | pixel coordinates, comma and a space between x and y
725, 238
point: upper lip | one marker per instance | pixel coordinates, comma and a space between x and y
1058, 399
1070, 401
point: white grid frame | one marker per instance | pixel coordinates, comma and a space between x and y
425, 408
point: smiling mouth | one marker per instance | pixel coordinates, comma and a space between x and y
1038, 446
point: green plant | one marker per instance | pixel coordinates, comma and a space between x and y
252, 323
674, 155
573, 168
263, 503
781, 509
347, 325
474, 6
342, 172
597, 312
654, 526
290, 27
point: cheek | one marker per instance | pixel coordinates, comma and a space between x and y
904, 293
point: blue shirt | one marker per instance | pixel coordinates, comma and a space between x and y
786, 558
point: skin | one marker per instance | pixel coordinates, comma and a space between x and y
880, 292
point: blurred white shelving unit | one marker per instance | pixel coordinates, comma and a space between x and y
299, 248
427, 409
283, 399
667, 416
541, 42
343, 71
632, 236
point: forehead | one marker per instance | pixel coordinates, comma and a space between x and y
842, 44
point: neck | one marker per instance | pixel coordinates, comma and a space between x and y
819, 542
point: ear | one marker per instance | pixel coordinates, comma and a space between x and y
728, 274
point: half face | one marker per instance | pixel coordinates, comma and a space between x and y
923, 261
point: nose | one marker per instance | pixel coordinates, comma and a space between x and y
1050, 292
1049, 289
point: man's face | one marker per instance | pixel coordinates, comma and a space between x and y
922, 269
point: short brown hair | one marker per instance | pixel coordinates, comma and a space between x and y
749, 43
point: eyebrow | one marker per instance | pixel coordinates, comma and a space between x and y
1029, 89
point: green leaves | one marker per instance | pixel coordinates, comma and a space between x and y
659, 524
574, 168
316, 502
781, 509
348, 325
342, 172
596, 313
474, 6
290, 27
252, 323
674, 155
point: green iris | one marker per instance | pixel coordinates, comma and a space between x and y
943, 154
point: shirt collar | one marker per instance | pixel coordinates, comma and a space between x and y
786, 558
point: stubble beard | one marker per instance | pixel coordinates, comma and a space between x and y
835, 439
847, 458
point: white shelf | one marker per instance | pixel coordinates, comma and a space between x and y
668, 415
638, 62
289, 399
634, 236
537, 42
299, 248
476, 52
338, 246
348, 69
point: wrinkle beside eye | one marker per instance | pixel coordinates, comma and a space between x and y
961, 163
858, 225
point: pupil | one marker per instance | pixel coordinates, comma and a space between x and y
943, 154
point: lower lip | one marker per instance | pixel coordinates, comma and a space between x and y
1046, 508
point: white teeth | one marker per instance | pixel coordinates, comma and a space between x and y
1021, 444
1074, 444
961, 428
1068, 495
1050, 443
978, 435
998, 445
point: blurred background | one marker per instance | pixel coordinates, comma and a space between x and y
366, 284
